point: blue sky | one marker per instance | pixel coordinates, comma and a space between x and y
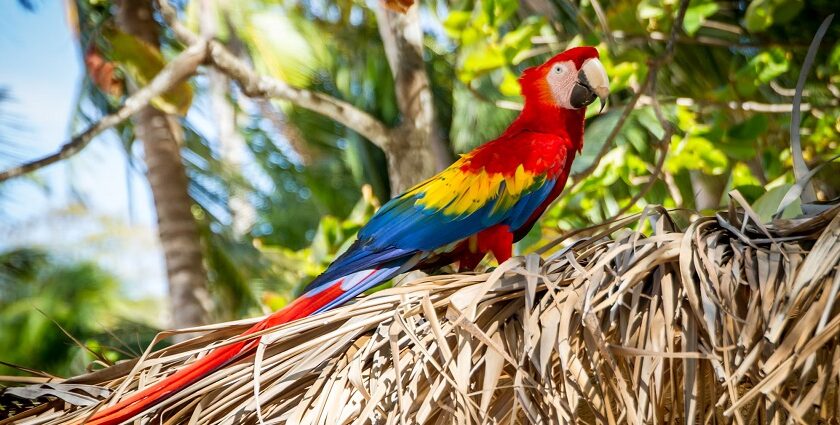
84, 207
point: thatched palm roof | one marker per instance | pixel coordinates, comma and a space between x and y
725, 319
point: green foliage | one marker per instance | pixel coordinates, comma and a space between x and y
759, 70
47, 303
490, 43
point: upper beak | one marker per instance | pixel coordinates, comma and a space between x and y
592, 82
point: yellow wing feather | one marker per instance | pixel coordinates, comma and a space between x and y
457, 192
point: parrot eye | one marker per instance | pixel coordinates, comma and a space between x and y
558, 69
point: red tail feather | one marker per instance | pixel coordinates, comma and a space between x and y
142, 400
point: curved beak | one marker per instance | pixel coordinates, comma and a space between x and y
592, 83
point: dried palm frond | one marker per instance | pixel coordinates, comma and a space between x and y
727, 320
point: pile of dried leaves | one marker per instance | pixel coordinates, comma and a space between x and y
727, 319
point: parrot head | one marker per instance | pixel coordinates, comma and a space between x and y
570, 80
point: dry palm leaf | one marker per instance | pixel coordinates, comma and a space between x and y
728, 320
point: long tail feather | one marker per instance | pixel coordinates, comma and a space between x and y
319, 299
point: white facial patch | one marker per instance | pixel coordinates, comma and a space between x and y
561, 79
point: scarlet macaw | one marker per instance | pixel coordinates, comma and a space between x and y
484, 202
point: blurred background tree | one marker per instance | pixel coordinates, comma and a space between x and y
276, 188
60, 316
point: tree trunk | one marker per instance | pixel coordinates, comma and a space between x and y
415, 150
161, 135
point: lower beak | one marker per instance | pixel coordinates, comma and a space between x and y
582, 95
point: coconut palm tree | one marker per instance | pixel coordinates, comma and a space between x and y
161, 135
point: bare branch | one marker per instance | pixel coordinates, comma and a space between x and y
255, 85
180, 68
675, 30
773, 108
646, 100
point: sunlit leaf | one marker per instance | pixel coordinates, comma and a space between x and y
510, 84
455, 22
696, 14
695, 153
761, 14
518, 41
622, 74
649, 10
481, 61
648, 119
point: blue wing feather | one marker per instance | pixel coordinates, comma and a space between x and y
401, 229
404, 224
